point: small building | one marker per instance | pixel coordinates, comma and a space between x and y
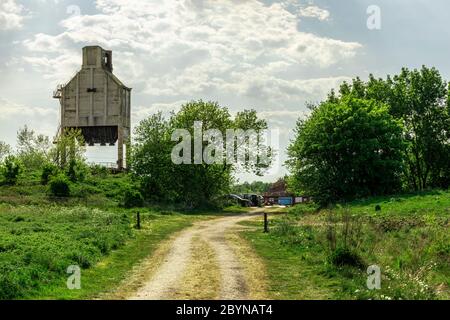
278, 194
302, 199
96, 102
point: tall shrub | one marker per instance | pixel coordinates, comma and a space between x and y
11, 169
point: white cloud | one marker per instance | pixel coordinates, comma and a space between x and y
314, 12
11, 110
13, 116
141, 112
190, 47
11, 15
260, 85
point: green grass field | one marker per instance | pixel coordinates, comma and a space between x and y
312, 254
38, 244
40, 236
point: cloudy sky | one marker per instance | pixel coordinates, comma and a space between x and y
273, 56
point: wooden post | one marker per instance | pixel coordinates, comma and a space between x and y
266, 223
138, 220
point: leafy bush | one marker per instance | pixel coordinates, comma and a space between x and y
346, 257
11, 170
48, 171
76, 171
132, 198
59, 186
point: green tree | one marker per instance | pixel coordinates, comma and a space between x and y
258, 187
200, 182
195, 181
76, 170
5, 150
150, 159
346, 149
32, 149
69, 149
420, 99
256, 149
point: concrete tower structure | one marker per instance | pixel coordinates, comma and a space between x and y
97, 103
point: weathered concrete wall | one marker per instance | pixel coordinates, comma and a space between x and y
96, 98
109, 105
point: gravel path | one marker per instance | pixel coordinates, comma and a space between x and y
167, 278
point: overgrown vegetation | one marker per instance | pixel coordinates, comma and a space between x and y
408, 239
38, 243
34, 154
40, 235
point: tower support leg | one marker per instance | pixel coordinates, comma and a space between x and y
120, 148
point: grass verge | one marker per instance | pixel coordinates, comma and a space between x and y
311, 254
289, 276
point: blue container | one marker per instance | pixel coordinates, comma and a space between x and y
285, 201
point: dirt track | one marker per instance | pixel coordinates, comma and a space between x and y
169, 277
